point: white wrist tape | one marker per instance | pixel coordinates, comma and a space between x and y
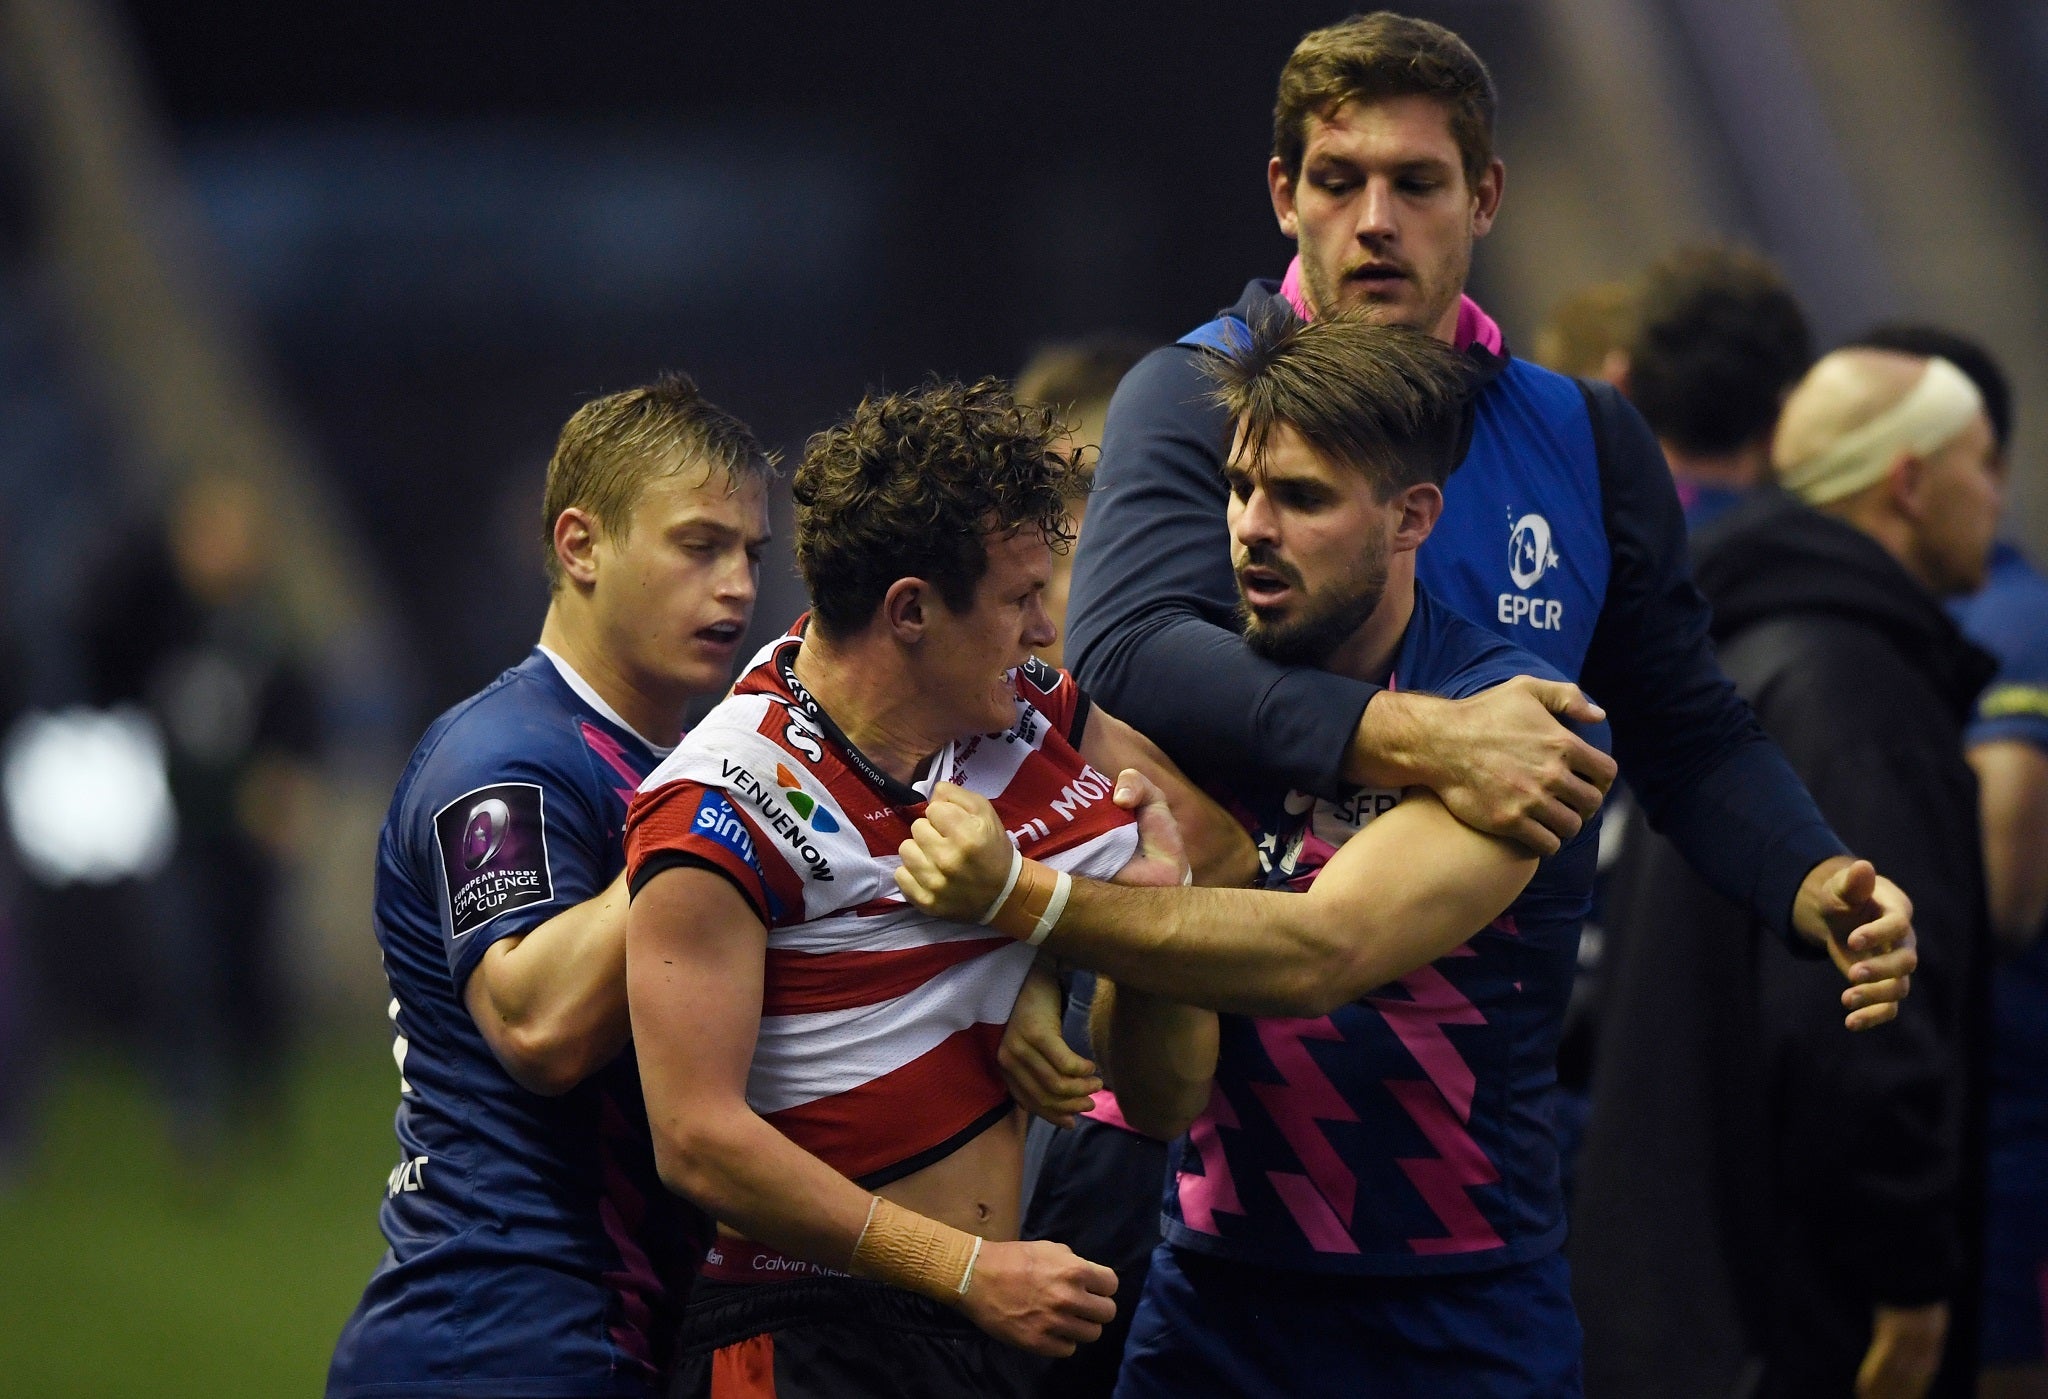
1016, 868
967, 1278
1062, 886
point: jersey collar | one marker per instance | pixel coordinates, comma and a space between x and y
592, 698
896, 793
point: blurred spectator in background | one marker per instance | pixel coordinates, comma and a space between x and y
2008, 747
1717, 343
176, 620
1740, 1142
1588, 332
1077, 377
1711, 340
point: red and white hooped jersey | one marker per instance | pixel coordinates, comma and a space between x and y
879, 1024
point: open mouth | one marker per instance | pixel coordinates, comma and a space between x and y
1377, 276
1263, 587
721, 633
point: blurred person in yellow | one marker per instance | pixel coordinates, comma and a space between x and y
1740, 1148
533, 1249
1588, 332
1075, 378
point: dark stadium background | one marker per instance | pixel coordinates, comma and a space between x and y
422, 234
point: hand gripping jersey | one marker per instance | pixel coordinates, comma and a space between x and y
1406, 1132
533, 1250
879, 1024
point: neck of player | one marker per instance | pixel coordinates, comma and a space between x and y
653, 711
1370, 652
882, 711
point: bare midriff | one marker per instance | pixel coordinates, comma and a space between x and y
975, 1189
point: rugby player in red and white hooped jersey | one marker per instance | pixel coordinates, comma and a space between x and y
820, 1058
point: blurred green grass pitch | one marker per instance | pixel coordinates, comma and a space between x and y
120, 1276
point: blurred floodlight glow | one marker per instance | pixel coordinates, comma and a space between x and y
87, 801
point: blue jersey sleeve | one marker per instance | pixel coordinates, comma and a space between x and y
504, 840
1707, 776
2012, 623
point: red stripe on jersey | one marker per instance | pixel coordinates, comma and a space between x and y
934, 1097
1056, 802
804, 983
666, 819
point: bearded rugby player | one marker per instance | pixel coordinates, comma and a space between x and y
1368, 1187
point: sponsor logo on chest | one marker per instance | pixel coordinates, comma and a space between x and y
1531, 554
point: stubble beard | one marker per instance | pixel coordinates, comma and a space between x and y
1325, 623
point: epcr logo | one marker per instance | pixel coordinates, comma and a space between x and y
484, 832
1529, 551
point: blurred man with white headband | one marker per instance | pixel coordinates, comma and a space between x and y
1735, 1134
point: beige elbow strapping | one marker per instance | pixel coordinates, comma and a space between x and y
905, 1249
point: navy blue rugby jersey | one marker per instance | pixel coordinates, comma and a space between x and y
2009, 618
533, 1249
1406, 1132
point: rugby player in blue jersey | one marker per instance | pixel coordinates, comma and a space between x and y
1367, 1196
1561, 531
533, 1249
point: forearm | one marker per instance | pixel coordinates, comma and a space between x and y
1247, 951
755, 1180
1748, 826
1401, 893
552, 1002
1164, 1053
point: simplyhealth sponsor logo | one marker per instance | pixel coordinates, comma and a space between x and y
780, 811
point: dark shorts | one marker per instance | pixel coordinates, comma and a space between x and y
1098, 1193
834, 1338
2016, 1258
1208, 1326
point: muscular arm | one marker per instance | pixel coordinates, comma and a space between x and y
1402, 892
1164, 1055
695, 954
551, 1003
1219, 851
2012, 790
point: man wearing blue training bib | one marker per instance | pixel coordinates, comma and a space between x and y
1561, 532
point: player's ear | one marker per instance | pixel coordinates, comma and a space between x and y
1280, 185
905, 607
576, 534
1421, 507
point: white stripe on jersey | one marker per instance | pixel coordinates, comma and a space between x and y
801, 1058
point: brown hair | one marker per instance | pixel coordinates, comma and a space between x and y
1385, 400
911, 484
1077, 378
1719, 342
613, 446
1371, 57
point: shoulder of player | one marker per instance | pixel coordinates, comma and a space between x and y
743, 746
513, 730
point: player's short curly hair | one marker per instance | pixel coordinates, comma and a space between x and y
912, 484
613, 446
